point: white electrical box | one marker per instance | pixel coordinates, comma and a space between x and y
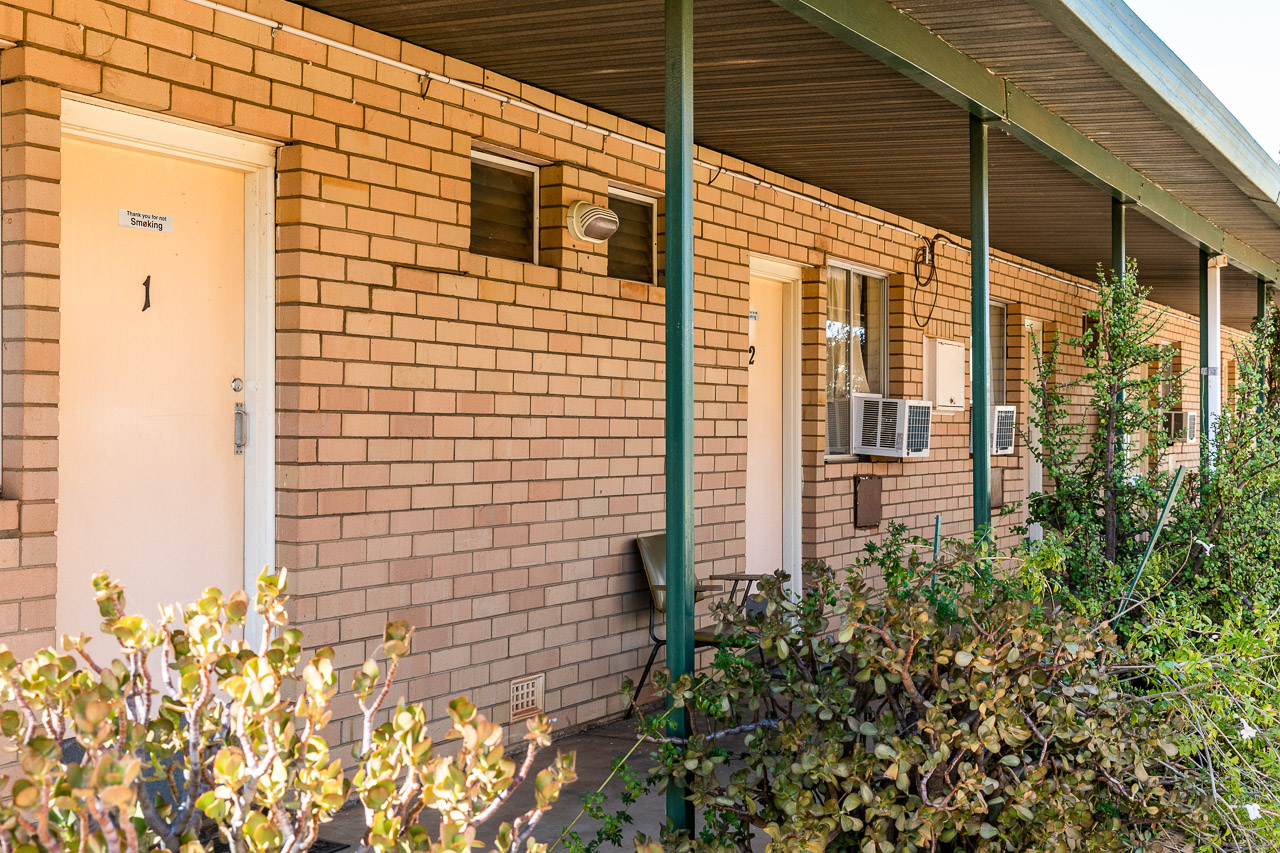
944, 374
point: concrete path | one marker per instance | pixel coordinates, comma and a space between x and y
596, 749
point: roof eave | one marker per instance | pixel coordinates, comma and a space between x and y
1118, 40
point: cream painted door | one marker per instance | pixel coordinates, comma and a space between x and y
151, 489
765, 412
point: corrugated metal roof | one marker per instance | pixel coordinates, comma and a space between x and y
772, 90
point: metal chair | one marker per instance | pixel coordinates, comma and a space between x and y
653, 555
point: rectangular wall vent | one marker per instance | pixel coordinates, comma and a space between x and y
526, 696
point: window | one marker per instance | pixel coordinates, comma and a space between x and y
997, 332
997, 328
857, 357
504, 210
632, 248
1165, 368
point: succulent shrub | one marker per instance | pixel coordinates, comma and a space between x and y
875, 724
232, 737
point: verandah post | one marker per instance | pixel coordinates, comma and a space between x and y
1262, 362
980, 302
679, 396
1204, 356
1119, 255
1210, 349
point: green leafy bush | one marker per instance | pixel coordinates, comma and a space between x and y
1222, 551
1105, 488
873, 725
233, 733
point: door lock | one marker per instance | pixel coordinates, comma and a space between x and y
241, 429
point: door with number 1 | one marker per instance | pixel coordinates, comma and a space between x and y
770, 534
158, 370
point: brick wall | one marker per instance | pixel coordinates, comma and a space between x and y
468, 443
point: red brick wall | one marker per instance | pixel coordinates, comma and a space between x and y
465, 442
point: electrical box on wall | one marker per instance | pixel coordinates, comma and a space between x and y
944, 374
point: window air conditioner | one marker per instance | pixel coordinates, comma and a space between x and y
1004, 430
898, 428
1182, 426
838, 427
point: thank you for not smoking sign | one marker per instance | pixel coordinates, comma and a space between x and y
146, 221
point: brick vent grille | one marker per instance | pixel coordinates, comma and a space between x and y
526, 696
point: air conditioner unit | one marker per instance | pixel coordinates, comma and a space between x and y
1004, 430
898, 428
1182, 426
838, 427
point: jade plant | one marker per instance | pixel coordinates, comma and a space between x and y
878, 724
195, 728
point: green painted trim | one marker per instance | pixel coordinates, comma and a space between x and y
679, 347
877, 29
979, 319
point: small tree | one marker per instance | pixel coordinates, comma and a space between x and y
1224, 546
234, 733
1107, 485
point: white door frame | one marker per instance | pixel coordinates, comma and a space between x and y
111, 124
789, 275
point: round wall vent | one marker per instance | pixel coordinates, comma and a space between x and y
591, 223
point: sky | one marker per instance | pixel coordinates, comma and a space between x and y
1232, 46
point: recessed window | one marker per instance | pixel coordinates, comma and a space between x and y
633, 247
504, 209
997, 328
857, 357
998, 332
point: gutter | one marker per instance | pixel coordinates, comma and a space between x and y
1115, 37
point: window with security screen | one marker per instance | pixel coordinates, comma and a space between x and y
504, 209
633, 247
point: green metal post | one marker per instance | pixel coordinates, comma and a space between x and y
1204, 357
979, 310
679, 426
1119, 260
1262, 362
1118, 255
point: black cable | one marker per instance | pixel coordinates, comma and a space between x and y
927, 256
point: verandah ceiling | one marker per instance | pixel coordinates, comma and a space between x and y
772, 90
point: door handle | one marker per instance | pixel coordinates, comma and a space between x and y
241, 429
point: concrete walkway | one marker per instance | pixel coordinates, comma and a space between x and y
596, 749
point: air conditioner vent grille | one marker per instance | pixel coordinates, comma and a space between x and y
895, 428
919, 425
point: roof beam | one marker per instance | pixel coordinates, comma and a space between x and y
877, 29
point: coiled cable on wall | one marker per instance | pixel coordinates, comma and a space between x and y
926, 258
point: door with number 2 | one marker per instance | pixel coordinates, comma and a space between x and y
766, 411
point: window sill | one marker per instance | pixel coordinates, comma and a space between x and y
846, 459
